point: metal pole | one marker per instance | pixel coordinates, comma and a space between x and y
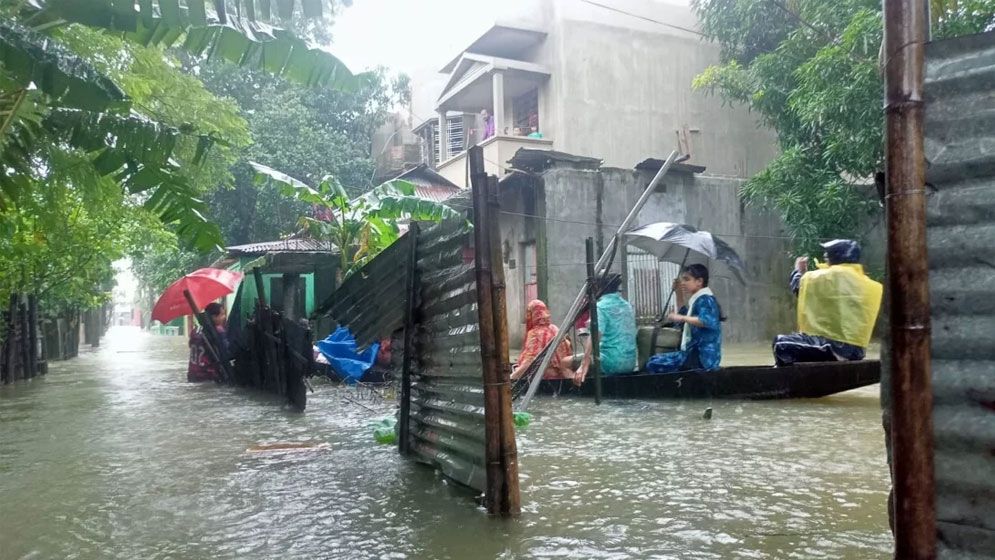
592, 306
908, 281
605, 257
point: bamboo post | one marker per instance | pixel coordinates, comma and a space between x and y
492, 398
404, 422
592, 306
509, 448
908, 280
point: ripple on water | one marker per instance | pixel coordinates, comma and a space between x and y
113, 455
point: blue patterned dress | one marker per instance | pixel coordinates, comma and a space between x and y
704, 350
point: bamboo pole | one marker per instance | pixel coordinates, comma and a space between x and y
908, 281
606, 256
492, 398
509, 448
592, 306
404, 422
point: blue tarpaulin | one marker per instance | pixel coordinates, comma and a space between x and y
340, 350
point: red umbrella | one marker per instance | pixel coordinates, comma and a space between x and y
205, 285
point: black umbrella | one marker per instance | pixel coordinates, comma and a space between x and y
684, 245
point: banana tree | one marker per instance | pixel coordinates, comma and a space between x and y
361, 227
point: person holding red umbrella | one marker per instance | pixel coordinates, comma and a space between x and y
185, 296
202, 366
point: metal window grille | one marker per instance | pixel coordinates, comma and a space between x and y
649, 283
454, 129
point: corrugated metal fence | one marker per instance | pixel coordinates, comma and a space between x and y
447, 398
428, 283
960, 147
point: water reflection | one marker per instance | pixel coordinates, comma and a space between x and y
113, 455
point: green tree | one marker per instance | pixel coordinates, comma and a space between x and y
811, 71
307, 133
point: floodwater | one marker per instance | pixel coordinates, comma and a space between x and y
114, 455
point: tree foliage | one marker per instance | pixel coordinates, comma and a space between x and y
306, 133
358, 228
810, 70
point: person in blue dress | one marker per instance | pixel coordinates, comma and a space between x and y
701, 318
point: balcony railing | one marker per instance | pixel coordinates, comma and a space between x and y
497, 151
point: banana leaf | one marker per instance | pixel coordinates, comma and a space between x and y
30, 57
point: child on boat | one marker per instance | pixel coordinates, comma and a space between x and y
700, 316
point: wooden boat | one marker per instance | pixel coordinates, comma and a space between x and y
738, 382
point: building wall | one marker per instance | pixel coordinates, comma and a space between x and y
626, 105
620, 87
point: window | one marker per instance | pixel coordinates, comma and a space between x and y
454, 130
649, 283
525, 110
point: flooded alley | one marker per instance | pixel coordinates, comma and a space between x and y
114, 455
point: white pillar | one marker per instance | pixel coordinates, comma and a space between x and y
443, 137
497, 82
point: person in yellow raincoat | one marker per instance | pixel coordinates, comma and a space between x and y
837, 307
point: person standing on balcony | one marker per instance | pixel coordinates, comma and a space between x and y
488, 124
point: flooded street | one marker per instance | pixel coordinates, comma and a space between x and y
114, 455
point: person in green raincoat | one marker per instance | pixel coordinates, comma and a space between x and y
617, 333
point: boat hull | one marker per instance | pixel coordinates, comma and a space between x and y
739, 382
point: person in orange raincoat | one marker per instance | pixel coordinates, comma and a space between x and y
539, 331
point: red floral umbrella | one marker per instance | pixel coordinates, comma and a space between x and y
205, 285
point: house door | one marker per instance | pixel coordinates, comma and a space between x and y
530, 274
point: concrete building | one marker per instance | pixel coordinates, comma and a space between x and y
607, 87
608, 82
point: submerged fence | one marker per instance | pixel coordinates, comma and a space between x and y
446, 422
437, 286
273, 354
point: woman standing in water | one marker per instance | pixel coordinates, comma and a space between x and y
701, 340
202, 366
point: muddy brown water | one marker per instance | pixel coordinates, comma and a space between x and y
114, 455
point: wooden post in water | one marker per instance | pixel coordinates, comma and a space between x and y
592, 307
404, 422
290, 287
509, 448
265, 339
32, 334
488, 353
908, 280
